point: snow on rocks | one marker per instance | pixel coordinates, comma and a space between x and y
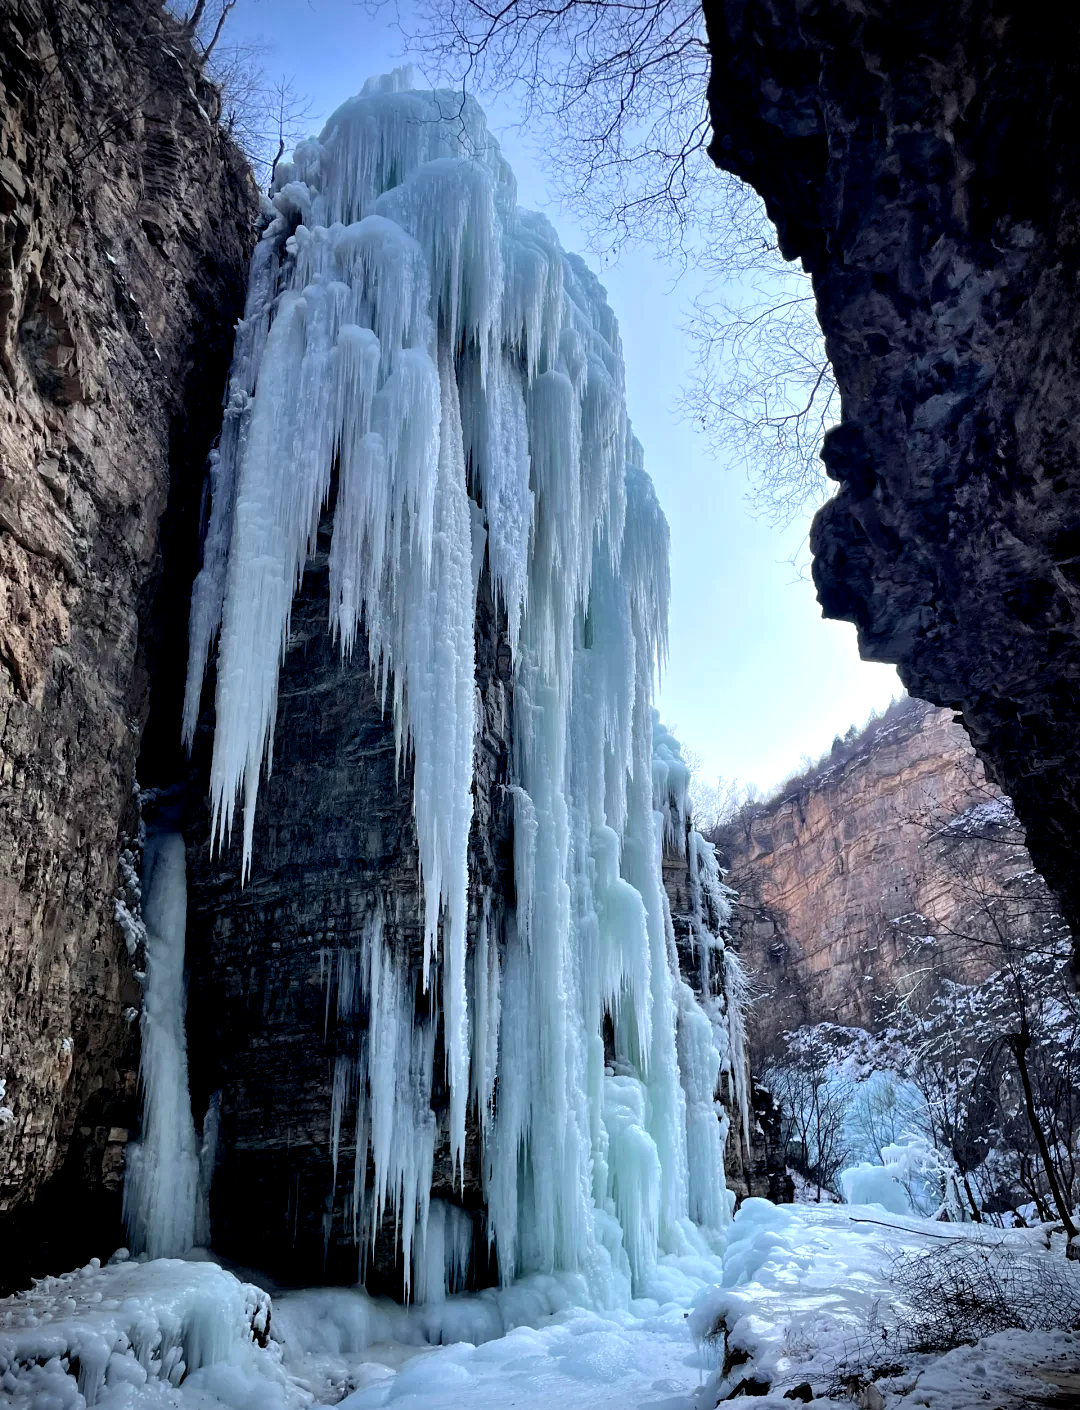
982, 818
800, 1287
808, 1297
146, 1335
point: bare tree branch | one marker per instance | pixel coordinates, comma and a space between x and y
226, 9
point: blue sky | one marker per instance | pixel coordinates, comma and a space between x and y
756, 678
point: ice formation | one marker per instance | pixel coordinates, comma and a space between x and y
162, 1168
128, 1333
415, 338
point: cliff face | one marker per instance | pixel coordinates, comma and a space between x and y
921, 161
872, 873
125, 222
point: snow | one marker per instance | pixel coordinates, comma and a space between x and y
982, 817
412, 330
802, 1291
913, 1176
807, 1292
866, 1183
126, 1336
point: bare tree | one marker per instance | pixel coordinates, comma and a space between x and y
763, 390
204, 25
961, 1033
617, 90
264, 116
813, 1096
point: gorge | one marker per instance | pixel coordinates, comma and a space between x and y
375, 1022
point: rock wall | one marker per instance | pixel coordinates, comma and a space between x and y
921, 160
867, 877
125, 227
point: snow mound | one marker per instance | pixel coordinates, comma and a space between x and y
867, 1183
130, 1333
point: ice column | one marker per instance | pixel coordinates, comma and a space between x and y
162, 1178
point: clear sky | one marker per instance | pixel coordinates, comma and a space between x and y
756, 678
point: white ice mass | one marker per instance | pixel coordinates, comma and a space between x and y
162, 1168
409, 328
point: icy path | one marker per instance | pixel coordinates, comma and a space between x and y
796, 1289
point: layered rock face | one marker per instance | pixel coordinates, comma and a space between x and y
125, 226
921, 161
870, 876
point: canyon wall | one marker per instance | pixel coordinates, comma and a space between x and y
882, 870
921, 161
126, 219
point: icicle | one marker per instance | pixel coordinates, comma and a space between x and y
671, 783
486, 1009
208, 592
736, 999
207, 1160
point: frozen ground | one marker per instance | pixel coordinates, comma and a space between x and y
801, 1290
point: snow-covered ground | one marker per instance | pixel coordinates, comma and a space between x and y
802, 1290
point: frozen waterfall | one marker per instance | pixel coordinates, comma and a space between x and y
162, 1175
413, 336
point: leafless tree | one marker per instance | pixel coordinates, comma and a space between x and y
205, 24
264, 116
763, 391
813, 1102
998, 1059
617, 91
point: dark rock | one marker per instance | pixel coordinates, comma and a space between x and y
114, 344
766, 1171
750, 1385
921, 161
733, 1356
